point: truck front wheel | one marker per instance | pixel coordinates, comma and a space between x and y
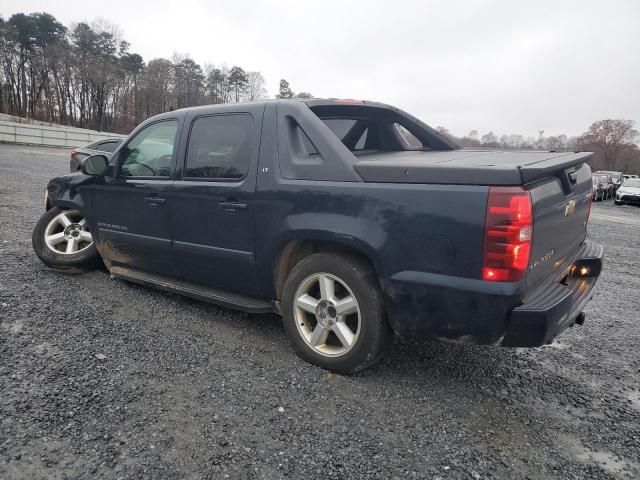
62, 240
333, 312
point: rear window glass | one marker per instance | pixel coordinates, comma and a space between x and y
409, 138
352, 132
339, 126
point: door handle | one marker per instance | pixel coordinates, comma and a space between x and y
155, 200
233, 206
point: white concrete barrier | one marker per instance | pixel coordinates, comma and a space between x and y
58, 136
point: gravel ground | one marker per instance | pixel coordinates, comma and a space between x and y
104, 379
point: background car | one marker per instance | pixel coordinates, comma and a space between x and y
629, 192
616, 177
629, 176
602, 186
108, 145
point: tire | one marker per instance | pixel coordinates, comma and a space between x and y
617, 202
53, 234
368, 332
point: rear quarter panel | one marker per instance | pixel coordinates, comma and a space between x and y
427, 228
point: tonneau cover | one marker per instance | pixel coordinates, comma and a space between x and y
465, 166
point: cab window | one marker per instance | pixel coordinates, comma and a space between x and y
219, 147
150, 152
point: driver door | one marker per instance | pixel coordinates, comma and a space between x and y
130, 208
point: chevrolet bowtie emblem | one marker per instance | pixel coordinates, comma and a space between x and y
569, 208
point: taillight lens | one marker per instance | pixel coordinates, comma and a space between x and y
507, 234
73, 154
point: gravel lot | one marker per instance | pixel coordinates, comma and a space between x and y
104, 379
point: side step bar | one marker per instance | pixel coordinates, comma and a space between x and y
225, 299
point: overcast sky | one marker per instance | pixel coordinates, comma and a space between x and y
506, 66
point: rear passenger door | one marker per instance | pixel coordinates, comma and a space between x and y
212, 204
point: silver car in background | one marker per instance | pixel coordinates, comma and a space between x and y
107, 145
629, 192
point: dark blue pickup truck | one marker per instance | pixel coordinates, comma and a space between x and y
351, 219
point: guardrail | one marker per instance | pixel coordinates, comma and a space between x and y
58, 136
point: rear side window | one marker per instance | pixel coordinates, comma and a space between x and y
107, 146
219, 147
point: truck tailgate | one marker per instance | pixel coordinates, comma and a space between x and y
561, 203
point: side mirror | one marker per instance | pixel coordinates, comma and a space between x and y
95, 165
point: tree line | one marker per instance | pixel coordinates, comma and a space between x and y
87, 76
613, 141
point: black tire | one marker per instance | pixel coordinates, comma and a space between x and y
85, 259
374, 331
617, 202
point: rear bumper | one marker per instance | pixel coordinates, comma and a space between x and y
475, 311
551, 309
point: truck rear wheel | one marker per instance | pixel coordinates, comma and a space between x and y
333, 312
62, 240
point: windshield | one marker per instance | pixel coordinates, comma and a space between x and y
632, 182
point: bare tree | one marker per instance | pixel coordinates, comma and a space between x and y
490, 140
256, 89
612, 140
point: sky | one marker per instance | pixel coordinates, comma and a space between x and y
486, 65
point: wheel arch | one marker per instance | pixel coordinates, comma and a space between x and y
293, 250
64, 204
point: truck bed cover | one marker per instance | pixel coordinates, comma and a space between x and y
465, 166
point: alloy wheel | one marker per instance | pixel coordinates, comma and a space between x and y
67, 233
327, 314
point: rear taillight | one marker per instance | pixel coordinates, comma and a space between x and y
73, 154
507, 234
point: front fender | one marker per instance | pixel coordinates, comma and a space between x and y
66, 192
